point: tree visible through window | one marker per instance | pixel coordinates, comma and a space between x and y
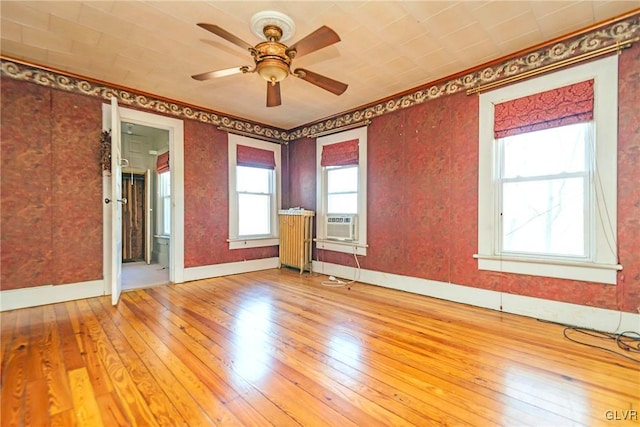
547, 175
545, 190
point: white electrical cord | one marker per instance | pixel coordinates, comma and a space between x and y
338, 283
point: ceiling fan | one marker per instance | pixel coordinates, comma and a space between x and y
272, 58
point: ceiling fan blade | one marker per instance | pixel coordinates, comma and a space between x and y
226, 35
319, 80
273, 94
322, 37
220, 73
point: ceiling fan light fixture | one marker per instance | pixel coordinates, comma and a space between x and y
273, 70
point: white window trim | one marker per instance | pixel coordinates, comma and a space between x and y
160, 207
603, 267
236, 242
358, 247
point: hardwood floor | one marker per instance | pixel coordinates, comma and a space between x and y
272, 348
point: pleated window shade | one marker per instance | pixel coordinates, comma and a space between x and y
255, 157
162, 163
553, 108
340, 154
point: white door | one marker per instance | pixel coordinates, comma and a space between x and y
148, 245
116, 204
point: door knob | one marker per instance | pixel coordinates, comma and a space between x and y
123, 200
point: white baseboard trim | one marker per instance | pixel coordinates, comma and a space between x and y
561, 312
217, 270
49, 294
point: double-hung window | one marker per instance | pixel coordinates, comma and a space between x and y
544, 189
547, 175
342, 189
163, 217
254, 196
164, 204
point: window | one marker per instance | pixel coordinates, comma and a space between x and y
342, 189
254, 192
163, 218
342, 186
164, 204
544, 187
547, 187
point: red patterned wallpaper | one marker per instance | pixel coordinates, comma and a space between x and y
422, 194
51, 191
629, 179
206, 199
422, 207
302, 174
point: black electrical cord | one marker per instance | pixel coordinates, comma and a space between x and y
629, 341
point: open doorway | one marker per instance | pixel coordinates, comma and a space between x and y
118, 118
145, 216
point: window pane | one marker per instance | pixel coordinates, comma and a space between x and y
342, 180
544, 217
253, 180
343, 203
166, 216
165, 183
163, 210
254, 214
546, 152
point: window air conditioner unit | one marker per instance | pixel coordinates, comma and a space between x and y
341, 227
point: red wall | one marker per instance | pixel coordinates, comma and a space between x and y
423, 196
302, 166
51, 187
51, 191
206, 199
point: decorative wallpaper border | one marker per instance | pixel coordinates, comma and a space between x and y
617, 32
29, 73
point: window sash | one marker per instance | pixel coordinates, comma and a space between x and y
335, 195
248, 230
588, 223
247, 227
164, 201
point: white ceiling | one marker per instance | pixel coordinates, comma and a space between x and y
387, 47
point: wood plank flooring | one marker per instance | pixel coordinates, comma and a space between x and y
274, 348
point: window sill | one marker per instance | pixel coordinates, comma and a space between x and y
588, 272
257, 242
338, 246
